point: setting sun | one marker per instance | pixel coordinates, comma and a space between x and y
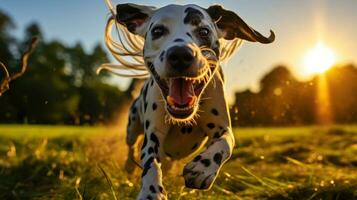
319, 59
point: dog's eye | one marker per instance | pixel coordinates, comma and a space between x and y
158, 31
203, 32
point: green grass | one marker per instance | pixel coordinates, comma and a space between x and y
59, 162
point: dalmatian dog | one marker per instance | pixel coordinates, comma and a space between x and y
181, 110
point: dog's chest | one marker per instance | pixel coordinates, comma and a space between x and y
182, 141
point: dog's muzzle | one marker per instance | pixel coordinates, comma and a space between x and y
184, 82
183, 90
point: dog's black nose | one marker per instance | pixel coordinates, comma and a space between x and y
180, 57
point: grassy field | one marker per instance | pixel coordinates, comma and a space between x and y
44, 162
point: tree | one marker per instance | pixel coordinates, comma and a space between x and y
6, 40
60, 86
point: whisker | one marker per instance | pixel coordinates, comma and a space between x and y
205, 98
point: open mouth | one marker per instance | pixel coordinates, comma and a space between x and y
181, 94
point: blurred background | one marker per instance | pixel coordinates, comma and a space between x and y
61, 86
302, 86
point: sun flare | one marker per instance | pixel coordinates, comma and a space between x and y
319, 59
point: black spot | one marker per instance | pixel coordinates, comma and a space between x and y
145, 142
152, 82
145, 91
197, 158
147, 124
183, 130
151, 150
129, 122
217, 158
154, 106
142, 156
147, 166
206, 162
152, 189
193, 16
161, 189
178, 40
162, 56
156, 149
215, 111
189, 129
153, 71
151, 25
133, 118
220, 127
145, 106
217, 135
194, 146
150, 65
134, 110
149, 197
211, 125
189, 35
154, 138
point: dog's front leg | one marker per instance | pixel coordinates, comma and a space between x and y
151, 183
201, 172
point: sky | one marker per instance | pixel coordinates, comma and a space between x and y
298, 26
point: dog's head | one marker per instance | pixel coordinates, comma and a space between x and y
182, 47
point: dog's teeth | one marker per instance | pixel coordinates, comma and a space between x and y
170, 101
192, 100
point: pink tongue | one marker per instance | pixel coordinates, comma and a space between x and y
181, 91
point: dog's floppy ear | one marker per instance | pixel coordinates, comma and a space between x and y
134, 17
232, 26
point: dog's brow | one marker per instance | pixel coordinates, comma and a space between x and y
164, 17
193, 16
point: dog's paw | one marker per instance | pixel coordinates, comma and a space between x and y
200, 173
152, 193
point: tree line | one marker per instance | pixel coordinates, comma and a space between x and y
283, 100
